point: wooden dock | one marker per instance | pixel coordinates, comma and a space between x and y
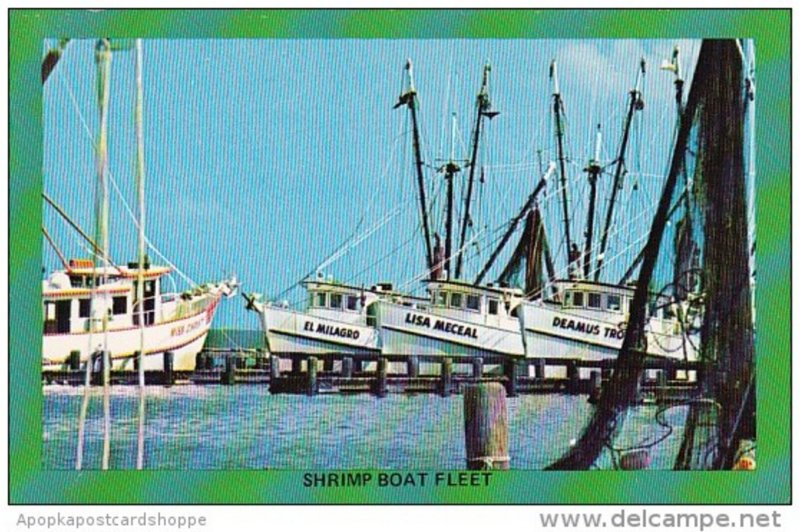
380, 375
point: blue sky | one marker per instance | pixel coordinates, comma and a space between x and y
264, 156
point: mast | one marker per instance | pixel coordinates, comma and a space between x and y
103, 62
450, 169
593, 171
138, 119
483, 109
409, 98
558, 107
636, 104
514, 222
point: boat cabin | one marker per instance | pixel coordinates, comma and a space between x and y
490, 304
584, 296
72, 298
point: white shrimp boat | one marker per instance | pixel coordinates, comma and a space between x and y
176, 322
462, 320
338, 318
586, 320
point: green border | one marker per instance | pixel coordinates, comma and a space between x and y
770, 484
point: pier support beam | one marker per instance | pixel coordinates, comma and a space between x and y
274, 368
446, 382
169, 362
477, 368
538, 369
347, 368
311, 376
573, 377
358, 365
595, 386
380, 380
486, 426
74, 360
297, 365
327, 363
229, 372
412, 367
510, 370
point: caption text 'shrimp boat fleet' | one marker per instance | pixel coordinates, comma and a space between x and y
93, 305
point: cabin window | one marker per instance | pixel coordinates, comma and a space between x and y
515, 312
568, 299
320, 299
613, 302
494, 306
50, 310
594, 300
473, 302
336, 300
352, 302
577, 299
455, 300
441, 298
84, 308
76, 281
120, 305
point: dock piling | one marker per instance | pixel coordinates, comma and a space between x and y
169, 362
573, 377
412, 367
230, 369
477, 369
74, 360
595, 386
274, 368
538, 369
380, 381
311, 376
347, 368
510, 369
486, 426
446, 381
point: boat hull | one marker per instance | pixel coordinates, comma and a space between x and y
184, 337
292, 332
410, 331
549, 333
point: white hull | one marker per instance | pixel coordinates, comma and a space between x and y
184, 337
290, 331
405, 330
550, 333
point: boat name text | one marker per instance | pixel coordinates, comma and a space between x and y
180, 330
616, 333
442, 325
331, 330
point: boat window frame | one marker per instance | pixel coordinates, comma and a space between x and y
599, 305
335, 295
442, 298
460, 296
348, 298
115, 309
574, 298
475, 297
320, 299
618, 305
84, 303
493, 302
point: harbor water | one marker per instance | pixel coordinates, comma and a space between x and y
245, 427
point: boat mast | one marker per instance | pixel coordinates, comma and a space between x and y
103, 62
515, 222
558, 107
483, 109
636, 104
593, 171
450, 170
139, 119
409, 98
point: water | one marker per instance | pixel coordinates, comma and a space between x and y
244, 427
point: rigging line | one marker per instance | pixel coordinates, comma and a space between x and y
86, 128
55, 248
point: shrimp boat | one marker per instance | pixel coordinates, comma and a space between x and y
176, 322
582, 318
337, 318
93, 305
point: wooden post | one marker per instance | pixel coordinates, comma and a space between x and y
380, 381
486, 426
347, 368
274, 368
573, 377
446, 381
228, 375
595, 387
661, 386
358, 367
327, 363
412, 365
96, 361
169, 378
297, 365
477, 368
672, 372
510, 367
75, 360
538, 368
311, 376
